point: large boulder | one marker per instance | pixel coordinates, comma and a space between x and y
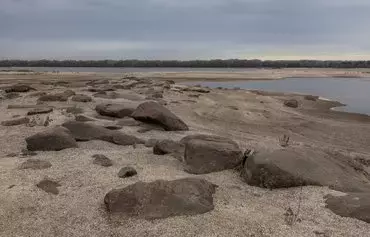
208, 153
54, 139
164, 147
353, 205
85, 132
162, 199
18, 88
152, 112
116, 110
15, 122
294, 167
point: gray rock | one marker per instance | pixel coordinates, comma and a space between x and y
127, 172
294, 167
197, 89
12, 95
206, 154
164, 147
37, 94
15, 122
83, 118
102, 160
74, 110
49, 186
291, 103
51, 140
81, 98
18, 88
353, 205
116, 110
128, 122
35, 164
57, 97
85, 132
162, 199
151, 142
311, 97
152, 112
45, 110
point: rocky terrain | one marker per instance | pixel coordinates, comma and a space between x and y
136, 156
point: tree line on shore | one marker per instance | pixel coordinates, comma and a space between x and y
216, 63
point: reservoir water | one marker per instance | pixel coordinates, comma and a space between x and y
354, 92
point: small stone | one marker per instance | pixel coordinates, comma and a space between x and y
49, 186
26, 152
40, 111
291, 103
74, 110
127, 172
102, 160
151, 142
35, 164
81, 98
15, 122
83, 118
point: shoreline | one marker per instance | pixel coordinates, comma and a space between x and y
254, 120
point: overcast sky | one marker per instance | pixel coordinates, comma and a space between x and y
185, 29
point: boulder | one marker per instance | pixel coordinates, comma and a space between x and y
291, 103
127, 172
128, 122
44, 110
81, 98
49, 186
311, 97
164, 147
12, 95
57, 97
116, 110
15, 122
197, 89
18, 88
152, 112
162, 199
85, 132
102, 160
54, 139
54, 97
35, 164
292, 167
207, 153
353, 205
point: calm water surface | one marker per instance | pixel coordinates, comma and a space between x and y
129, 69
354, 92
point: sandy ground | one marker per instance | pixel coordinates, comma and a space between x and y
240, 209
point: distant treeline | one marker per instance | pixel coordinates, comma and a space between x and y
217, 63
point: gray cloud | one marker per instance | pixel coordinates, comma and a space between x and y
177, 29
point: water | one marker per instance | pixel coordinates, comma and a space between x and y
354, 92
128, 69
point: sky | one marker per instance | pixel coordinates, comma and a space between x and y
185, 29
